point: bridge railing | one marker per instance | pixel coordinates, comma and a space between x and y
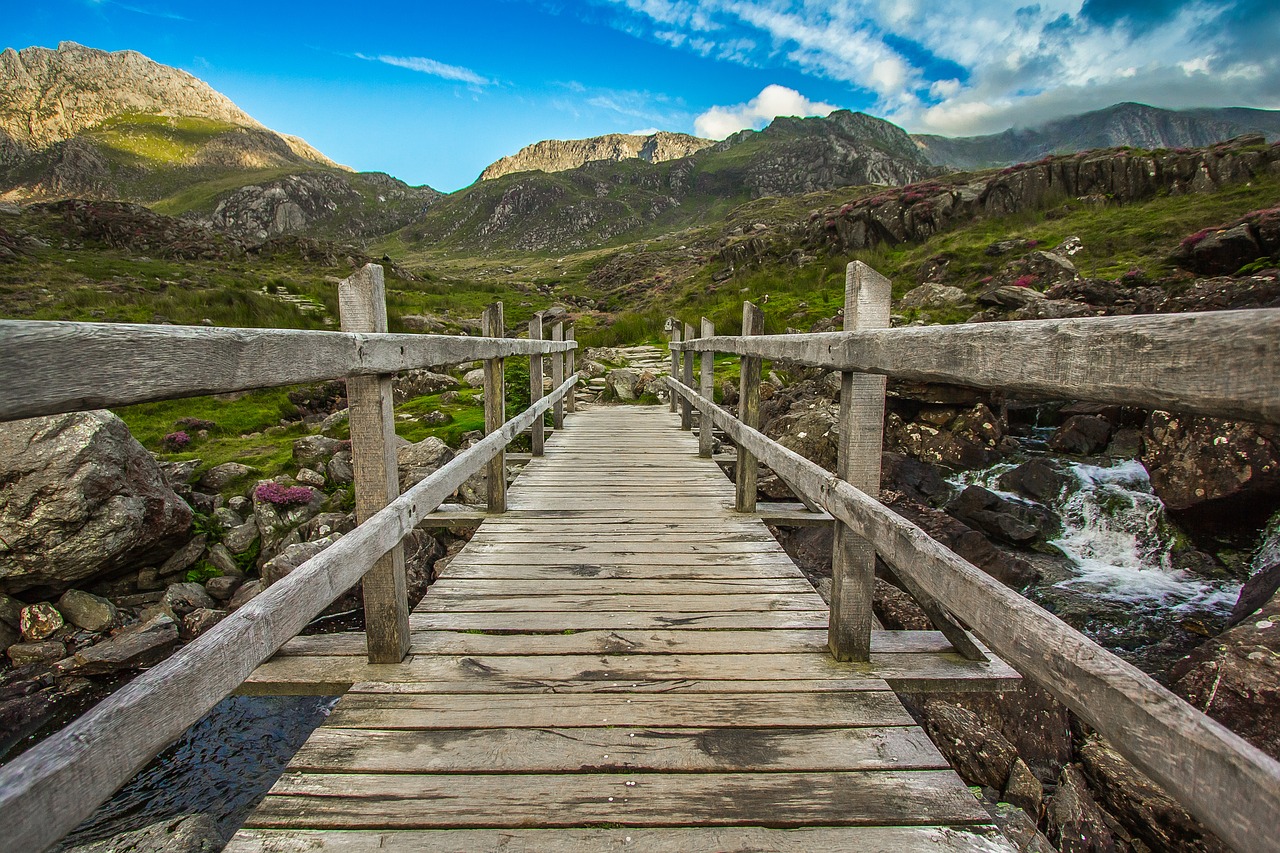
51, 367
1222, 363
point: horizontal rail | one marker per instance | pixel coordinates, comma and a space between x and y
1221, 363
49, 789
55, 367
1230, 785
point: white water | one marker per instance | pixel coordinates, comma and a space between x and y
1115, 533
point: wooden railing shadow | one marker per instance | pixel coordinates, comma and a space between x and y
53, 367
1223, 363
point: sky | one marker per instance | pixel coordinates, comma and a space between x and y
432, 92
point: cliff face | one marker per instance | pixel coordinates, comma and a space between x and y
556, 155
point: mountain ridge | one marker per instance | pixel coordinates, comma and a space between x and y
559, 155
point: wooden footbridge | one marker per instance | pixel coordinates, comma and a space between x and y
622, 656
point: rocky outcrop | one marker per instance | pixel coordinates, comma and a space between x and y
1224, 249
80, 498
556, 155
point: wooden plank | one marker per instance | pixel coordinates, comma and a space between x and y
469, 589
53, 367
627, 546
492, 325
561, 749
647, 799
626, 687
587, 620
1220, 363
50, 788
514, 569
1229, 784
663, 603
748, 411
363, 307
738, 839
537, 433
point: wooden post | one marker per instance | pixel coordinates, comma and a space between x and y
675, 359
362, 307
557, 376
853, 559
707, 377
570, 399
748, 410
495, 409
537, 435
686, 376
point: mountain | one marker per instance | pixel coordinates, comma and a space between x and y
1126, 124
556, 155
603, 200
85, 123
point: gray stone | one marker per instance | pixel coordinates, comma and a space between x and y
136, 646
327, 523
9, 635
474, 378
185, 557
82, 499
332, 425
219, 477
420, 383
421, 460
239, 504
622, 382
222, 560
311, 449
39, 621
223, 587
10, 610
340, 468
198, 621
48, 651
307, 477
185, 597
293, 556
196, 833
178, 474
979, 753
227, 518
88, 611
932, 295
1076, 824
239, 539
1010, 296
246, 593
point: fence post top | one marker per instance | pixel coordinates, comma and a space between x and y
867, 298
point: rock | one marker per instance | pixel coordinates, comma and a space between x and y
182, 598
148, 580
221, 476
222, 560
327, 523
811, 428
239, 539
1082, 435
1019, 829
88, 611
1076, 824
1014, 522
198, 621
10, 610
1037, 479
82, 499
897, 610
421, 460
1023, 789
333, 424
340, 468
1219, 251
1010, 296
178, 474
195, 833
311, 478
931, 295
9, 635
246, 593
134, 647
622, 382
47, 651
916, 480
474, 378
185, 557
293, 556
979, 753
969, 543
278, 523
311, 449
1220, 468
420, 383
39, 622
222, 587
227, 518
1141, 805
1052, 309
1264, 575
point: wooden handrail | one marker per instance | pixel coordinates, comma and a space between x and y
1221, 363
54, 367
49, 789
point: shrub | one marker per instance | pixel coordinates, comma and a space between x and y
274, 493
176, 440
1024, 281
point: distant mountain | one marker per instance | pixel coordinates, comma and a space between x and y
600, 201
557, 155
83, 123
1126, 124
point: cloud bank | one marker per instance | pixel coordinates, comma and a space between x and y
773, 101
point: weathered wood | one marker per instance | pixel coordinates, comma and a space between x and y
571, 401
867, 295
557, 374
551, 622
537, 432
1227, 783
686, 411
495, 410
1220, 363
363, 308
734, 839
675, 356
748, 411
49, 789
707, 378
462, 588
693, 603
53, 367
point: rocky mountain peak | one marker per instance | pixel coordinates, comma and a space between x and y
558, 155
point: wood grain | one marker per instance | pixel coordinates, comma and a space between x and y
495, 410
537, 432
748, 411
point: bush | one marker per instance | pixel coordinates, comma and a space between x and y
279, 495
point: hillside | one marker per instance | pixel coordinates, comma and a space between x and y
1127, 124
85, 123
557, 155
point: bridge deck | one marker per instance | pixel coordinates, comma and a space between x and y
620, 661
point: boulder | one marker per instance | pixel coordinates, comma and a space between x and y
293, 556
1219, 251
1076, 824
1217, 467
1012, 521
1037, 479
182, 598
219, 477
334, 424
979, 753
1264, 575
474, 378
223, 587
314, 479
420, 383
340, 468
246, 593
239, 539
43, 652
1009, 296
810, 428
9, 636
622, 382
185, 557
198, 621
931, 295
39, 622
913, 479
420, 460
82, 499
1023, 789
88, 611
222, 560
278, 522
1082, 435
134, 647
311, 449
1005, 567
10, 610
327, 523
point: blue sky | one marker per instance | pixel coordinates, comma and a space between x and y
434, 91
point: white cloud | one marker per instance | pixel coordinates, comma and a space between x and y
430, 66
773, 101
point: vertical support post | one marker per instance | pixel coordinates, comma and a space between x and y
675, 359
748, 411
362, 307
707, 382
853, 559
495, 409
557, 376
686, 376
571, 399
537, 434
